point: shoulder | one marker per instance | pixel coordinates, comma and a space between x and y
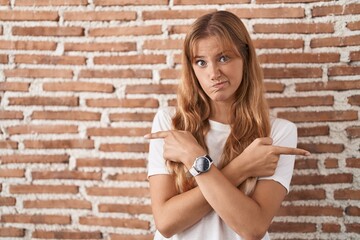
282, 130
163, 118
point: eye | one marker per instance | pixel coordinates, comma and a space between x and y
200, 63
224, 59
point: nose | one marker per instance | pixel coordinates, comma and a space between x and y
214, 72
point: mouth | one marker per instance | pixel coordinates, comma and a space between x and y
220, 84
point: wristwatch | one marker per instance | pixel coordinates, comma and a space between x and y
202, 164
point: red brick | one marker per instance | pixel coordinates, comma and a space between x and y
27, 45
322, 147
330, 227
125, 31
138, 177
170, 74
12, 173
353, 162
124, 147
310, 211
127, 60
123, 103
196, 2
324, 116
64, 234
353, 227
14, 15
112, 131
79, 87
7, 201
294, 28
3, 59
111, 163
316, 179
131, 237
36, 219
181, 29
299, 57
5, 2
306, 164
51, 3
352, 211
11, 115
100, 47
39, 73
289, 1
336, 10
274, 87
131, 117
353, 132
292, 227
66, 115
173, 14
347, 194
309, 194
125, 208
14, 158
301, 101
353, 25
48, 31
42, 129
129, 2
43, 189
58, 144
7, 144
271, 73
44, 101
331, 163
62, 204
76, 175
50, 60
11, 232
355, 56
126, 73
100, 16
282, 12
155, 44
128, 192
278, 43
151, 89
335, 42
354, 100
343, 70
14, 86
115, 222
313, 131
325, 86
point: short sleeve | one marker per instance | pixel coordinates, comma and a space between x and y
283, 133
161, 122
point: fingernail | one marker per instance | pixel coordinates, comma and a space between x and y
147, 136
307, 154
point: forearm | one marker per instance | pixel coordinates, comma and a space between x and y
184, 210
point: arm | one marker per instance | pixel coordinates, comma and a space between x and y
175, 212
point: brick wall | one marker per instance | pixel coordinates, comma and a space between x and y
80, 82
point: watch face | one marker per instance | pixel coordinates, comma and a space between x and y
202, 164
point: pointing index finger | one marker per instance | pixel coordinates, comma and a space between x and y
291, 151
160, 134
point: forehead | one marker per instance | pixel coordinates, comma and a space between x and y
209, 46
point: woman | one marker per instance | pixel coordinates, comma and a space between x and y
215, 169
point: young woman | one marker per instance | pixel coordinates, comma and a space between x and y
219, 166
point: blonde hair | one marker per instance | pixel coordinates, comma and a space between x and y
250, 116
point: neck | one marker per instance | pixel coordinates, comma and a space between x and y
220, 112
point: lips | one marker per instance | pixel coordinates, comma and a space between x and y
220, 84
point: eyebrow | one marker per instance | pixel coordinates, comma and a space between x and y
218, 54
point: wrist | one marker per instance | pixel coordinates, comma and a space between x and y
190, 159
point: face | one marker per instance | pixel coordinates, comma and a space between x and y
219, 71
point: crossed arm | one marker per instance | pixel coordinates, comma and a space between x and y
175, 212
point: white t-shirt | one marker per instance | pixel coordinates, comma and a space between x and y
211, 226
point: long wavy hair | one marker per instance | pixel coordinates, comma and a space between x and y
249, 112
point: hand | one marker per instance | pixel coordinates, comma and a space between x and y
262, 157
179, 146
